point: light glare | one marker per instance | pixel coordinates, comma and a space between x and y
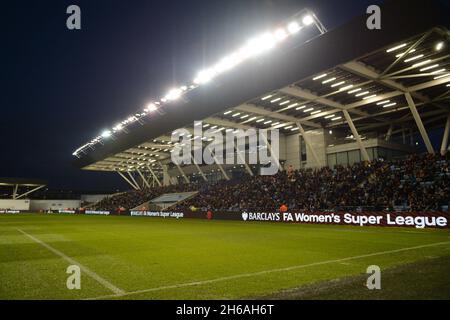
307, 20
293, 27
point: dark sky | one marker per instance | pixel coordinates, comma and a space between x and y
61, 88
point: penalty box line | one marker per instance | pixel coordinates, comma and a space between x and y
86, 270
259, 273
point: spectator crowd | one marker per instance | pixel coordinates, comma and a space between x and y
417, 183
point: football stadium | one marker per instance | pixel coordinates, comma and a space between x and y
311, 163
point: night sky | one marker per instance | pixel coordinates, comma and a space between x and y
61, 88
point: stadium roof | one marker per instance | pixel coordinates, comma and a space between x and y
26, 186
372, 78
22, 182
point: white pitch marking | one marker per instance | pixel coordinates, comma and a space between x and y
86, 270
259, 273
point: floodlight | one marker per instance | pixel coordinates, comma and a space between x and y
174, 94
106, 134
151, 107
205, 76
307, 20
293, 27
280, 34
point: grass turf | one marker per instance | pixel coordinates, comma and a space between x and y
152, 258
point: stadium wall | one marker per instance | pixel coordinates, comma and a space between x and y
10, 204
38, 205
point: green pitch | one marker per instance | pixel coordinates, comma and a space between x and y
151, 258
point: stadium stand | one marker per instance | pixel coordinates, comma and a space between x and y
416, 183
346, 123
134, 198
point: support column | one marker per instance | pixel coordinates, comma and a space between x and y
419, 122
389, 133
364, 153
167, 181
155, 178
445, 137
183, 174
143, 178
134, 180
247, 167
269, 146
225, 175
16, 187
127, 180
308, 143
198, 168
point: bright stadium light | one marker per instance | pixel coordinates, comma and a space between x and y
174, 94
280, 34
429, 68
151, 107
307, 20
205, 76
354, 91
396, 47
256, 46
259, 45
118, 127
320, 77
106, 134
227, 63
328, 80
414, 58
293, 27
439, 46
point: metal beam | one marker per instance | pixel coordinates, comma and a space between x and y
183, 174
143, 178
415, 45
27, 193
134, 180
274, 115
247, 167
225, 175
309, 144
127, 180
198, 168
445, 137
310, 97
154, 175
16, 187
364, 153
419, 123
389, 133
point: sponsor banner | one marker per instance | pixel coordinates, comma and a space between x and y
10, 211
93, 212
66, 211
160, 214
363, 219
